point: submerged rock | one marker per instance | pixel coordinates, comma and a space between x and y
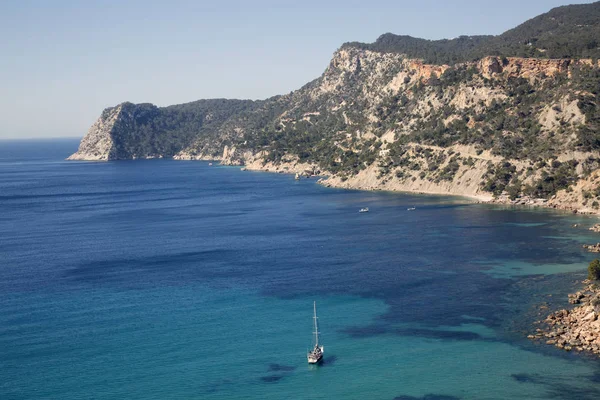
595, 228
593, 248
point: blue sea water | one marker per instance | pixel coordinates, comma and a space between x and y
163, 279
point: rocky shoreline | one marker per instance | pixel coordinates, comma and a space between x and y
575, 329
371, 184
545, 203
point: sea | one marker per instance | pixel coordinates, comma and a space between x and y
162, 279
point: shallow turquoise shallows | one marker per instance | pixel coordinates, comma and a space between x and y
162, 279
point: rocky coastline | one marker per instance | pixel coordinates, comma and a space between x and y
367, 180
552, 203
576, 329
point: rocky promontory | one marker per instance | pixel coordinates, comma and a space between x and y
98, 143
577, 328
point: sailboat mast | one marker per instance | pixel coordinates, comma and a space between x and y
316, 326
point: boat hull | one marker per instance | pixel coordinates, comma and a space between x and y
315, 356
315, 360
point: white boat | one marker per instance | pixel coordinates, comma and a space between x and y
210, 164
411, 209
297, 177
316, 354
366, 209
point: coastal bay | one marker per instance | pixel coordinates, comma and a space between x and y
158, 278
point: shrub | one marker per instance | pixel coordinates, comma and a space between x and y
594, 270
596, 304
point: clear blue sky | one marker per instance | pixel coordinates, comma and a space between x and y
62, 62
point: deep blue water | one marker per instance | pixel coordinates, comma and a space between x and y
163, 279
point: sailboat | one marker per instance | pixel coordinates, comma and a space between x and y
316, 354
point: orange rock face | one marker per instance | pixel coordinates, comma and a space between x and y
529, 67
535, 67
522, 67
427, 71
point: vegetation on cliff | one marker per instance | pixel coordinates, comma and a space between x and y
594, 270
145, 130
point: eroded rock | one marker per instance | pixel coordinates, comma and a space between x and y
578, 328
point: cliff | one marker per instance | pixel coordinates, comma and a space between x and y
514, 128
98, 143
130, 131
575, 329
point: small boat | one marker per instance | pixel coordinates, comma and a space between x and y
297, 177
210, 164
362, 210
316, 354
411, 209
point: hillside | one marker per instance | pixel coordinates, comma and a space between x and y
145, 131
496, 124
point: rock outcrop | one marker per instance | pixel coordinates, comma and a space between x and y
576, 329
98, 144
592, 248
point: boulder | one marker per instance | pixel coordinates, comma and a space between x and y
593, 248
590, 317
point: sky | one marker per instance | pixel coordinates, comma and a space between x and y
63, 61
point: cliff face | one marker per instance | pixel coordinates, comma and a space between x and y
98, 142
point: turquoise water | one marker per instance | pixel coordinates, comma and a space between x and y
161, 279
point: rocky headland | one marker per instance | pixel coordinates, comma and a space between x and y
575, 329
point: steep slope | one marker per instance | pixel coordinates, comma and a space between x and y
98, 143
380, 117
146, 131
